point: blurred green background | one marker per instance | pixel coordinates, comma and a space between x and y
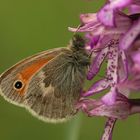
31, 26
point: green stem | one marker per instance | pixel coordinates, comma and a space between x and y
74, 128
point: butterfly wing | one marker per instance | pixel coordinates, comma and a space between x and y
24, 71
49, 85
54, 91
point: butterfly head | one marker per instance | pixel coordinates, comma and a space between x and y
78, 42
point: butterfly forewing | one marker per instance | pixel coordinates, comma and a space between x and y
23, 72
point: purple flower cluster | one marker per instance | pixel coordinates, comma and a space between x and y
114, 38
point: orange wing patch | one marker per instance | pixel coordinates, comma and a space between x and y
26, 74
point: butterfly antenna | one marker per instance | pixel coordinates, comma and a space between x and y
78, 27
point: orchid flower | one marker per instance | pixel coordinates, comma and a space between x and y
114, 37
121, 109
107, 16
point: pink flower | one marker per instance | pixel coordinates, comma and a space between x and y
121, 109
114, 39
107, 14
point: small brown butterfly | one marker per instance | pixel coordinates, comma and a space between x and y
48, 84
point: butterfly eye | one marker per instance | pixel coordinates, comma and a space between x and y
18, 85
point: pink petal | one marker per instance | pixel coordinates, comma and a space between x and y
109, 129
120, 109
122, 21
121, 24
112, 65
120, 3
93, 40
97, 87
96, 64
124, 75
136, 57
110, 97
106, 16
133, 9
130, 36
87, 18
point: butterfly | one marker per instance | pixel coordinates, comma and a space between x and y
48, 84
